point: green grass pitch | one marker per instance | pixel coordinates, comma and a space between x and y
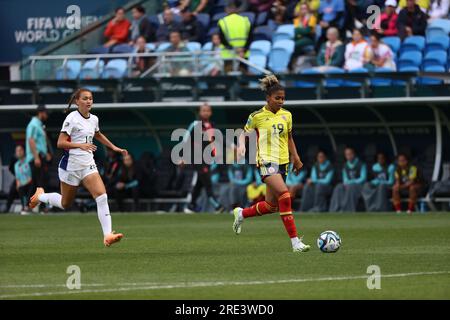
175, 256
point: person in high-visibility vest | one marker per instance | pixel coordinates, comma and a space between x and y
235, 33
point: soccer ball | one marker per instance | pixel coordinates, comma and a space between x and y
329, 241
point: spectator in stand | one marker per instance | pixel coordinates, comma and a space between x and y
147, 175
169, 25
177, 68
305, 25
175, 6
261, 5
330, 14
347, 194
235, 33
278, 14
331, 53
318, 187
423, 4
375, 192
295, 182
438, 9
408, 182
411, 20
12, 193
127, 184
117, 30
214, 67
388, 19
192, 29
141, 64
240, 5
141, 26
293, 7
196, 6
256, 191
357, 52
381, 54
22, 172
36, 148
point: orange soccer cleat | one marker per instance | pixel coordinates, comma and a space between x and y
112, 238
34, 200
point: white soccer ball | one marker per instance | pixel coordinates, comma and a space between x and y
329, 241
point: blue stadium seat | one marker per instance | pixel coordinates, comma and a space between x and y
207, 46
217, 17
280, 55
307, 84
405, 69
261, 19
150, 46
355, 83
250, 15
263, 33
122, 48
413, 43
99, 50
381, 82
285, 31
438, 43
115, 69
90, 70
432, 81
393, 42
260, 47
259, 60
438, 27
194, 46
70, 71
204, 19
435, 58
163, 46
212, 31
410, 59
334, 82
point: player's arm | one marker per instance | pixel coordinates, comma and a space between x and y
65, 143
100, 137
295, 158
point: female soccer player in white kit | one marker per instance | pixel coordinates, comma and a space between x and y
77, 164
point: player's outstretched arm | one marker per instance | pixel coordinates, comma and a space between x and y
65, 143
295, 158
100, 137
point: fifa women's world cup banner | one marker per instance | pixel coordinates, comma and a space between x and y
29, 26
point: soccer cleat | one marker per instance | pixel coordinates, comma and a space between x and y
220, 210
112, 238
409, 212
300, 246
237, 212
188, 211
34, 200
398, 211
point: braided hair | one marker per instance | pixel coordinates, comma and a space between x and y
270, 84
75, 96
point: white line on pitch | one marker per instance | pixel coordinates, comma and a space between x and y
143, 286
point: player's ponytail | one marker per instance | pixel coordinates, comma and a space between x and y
269, 84
73, 97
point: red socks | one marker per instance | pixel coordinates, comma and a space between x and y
284, 203
262, 207
284, 206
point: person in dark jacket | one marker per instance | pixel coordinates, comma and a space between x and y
169, 25
141, 26
411, 20
127, 184
192, 29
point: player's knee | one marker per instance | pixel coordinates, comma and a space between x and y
102, 199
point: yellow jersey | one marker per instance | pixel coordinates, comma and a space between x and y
272, 130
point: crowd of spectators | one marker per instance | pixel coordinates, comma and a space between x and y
338, 32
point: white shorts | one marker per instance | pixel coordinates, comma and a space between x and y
74, 178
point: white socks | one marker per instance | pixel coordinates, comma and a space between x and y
103, 213
53, 199
295, 241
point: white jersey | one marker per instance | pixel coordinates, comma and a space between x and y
80, 130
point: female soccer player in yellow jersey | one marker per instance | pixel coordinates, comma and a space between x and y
275, 150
